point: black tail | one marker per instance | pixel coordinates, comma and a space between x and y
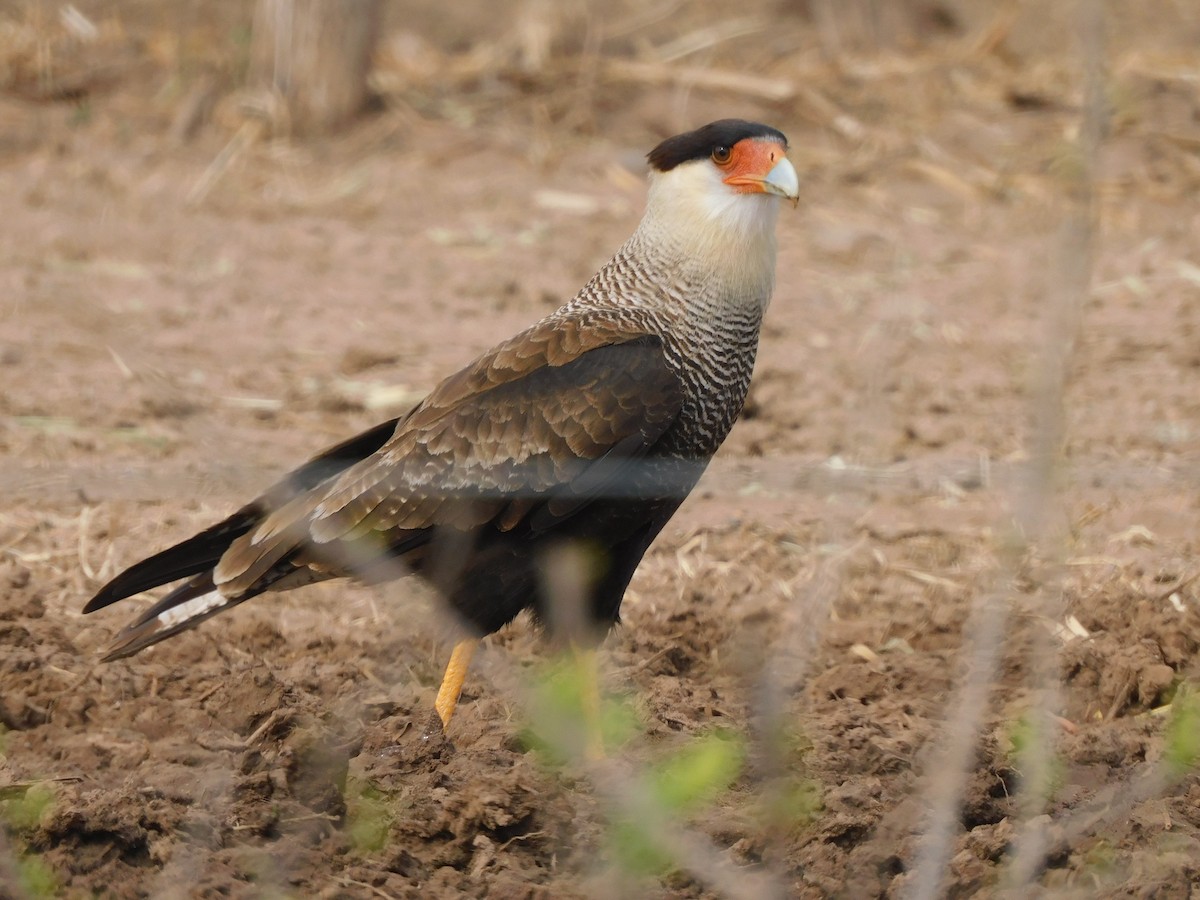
196, 557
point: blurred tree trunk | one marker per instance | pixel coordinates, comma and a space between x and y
316, 54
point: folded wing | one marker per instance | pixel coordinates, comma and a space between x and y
525, 437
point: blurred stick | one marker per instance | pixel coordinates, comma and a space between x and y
950, 767
710, 36
1074, 277
1032, 514
245, 136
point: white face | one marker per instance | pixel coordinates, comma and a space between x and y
721, 213
738, 198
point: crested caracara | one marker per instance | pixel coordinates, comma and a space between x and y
585, 432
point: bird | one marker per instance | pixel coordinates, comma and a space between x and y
576, 440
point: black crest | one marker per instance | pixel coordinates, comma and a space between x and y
699, 144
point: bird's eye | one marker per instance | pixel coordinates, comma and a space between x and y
720, 155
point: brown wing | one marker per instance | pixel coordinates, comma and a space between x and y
539, 426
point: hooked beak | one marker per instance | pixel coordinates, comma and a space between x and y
763, 169
783, 180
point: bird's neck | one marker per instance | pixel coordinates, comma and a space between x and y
725, 245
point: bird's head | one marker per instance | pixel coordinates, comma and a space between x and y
714, 197
727, 175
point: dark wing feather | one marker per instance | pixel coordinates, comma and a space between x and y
531, 432
191, 557
200, 553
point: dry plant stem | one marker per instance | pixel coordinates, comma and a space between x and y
1115, 802
950, 768
710, 36
1036, 760
1033, 507
757, 86
790, 662
693, 851
1073, 279
242, 140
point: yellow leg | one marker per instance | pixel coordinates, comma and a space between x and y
452, 681
589, 698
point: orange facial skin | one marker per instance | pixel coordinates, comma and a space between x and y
749, 162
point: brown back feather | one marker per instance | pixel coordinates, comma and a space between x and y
546, 420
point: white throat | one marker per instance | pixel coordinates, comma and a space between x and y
723, 235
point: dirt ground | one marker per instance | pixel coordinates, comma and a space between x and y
185, 313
